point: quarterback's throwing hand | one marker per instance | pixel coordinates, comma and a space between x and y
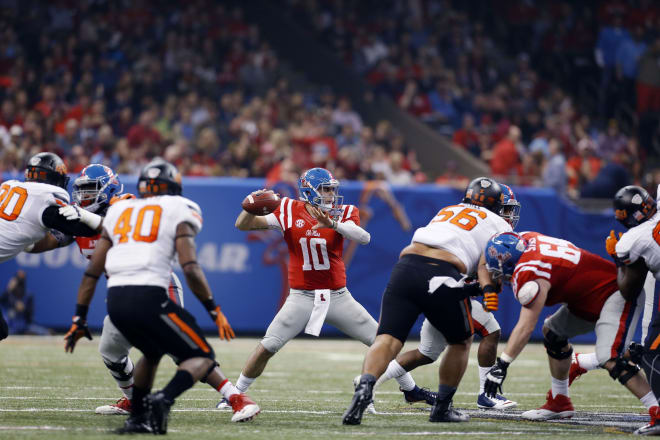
495, 377
224, 329
323, 219
78, 330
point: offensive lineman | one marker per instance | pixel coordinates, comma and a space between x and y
140, 239
636, 253
544, 271
432, 343
29, 209
428, 279
314, 229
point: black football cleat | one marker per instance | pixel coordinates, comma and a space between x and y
361, 399
159, 410
444, 412
418, 394
135, 425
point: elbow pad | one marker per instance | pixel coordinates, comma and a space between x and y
528, 292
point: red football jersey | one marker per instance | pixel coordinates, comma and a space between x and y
578, 278
315, 256
87, 245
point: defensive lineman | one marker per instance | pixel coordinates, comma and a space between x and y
432, 343
314, 229
428, 279
28, 210
140, 238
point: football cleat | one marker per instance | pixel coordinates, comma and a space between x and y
371, 408
361, 399
653, 427
496, 402
576, 370
444, 412
121, 408
418, 394
135, 425
244, 408
159, 410
558, 407
223, 404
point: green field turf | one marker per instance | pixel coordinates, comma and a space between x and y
47, 394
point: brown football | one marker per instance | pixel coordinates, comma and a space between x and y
262, 203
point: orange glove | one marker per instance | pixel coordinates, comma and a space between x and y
224, 329
610, 243
491, 299
78, 330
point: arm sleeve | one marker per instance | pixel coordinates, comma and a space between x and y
349, 225
273, 222
52, 219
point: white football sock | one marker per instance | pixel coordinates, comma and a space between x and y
243, 383
559, 386
649, 400
483, 372
588, 361
396, 371
228, 389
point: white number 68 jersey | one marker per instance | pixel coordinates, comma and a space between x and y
143, 238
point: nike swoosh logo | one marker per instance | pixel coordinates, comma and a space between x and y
163, 305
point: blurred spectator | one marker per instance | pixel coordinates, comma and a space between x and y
612, 143
583, 167
506, 160
18, 308
648, 84
467, 137
554, 171
609, 180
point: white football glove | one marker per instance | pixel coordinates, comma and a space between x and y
76, 213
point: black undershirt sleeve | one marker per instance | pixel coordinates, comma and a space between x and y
53, 220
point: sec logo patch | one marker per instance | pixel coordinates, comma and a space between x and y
300, 223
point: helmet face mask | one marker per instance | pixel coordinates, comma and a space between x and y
320, 189
95, 187
510, 210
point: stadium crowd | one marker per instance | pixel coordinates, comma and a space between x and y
121, 82
515, 83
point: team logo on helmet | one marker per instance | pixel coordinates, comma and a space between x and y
501, 257
485, 183
637, 199
152, 173
35, 161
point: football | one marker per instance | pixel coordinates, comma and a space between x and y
261, 203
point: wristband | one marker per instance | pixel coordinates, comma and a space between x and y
506, 358
489, 288
209, 304
81, 310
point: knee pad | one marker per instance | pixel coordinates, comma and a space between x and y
554, 344
210, 370
623, 370
122, 370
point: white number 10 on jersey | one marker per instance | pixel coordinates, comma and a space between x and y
319, 264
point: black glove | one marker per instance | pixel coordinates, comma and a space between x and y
637, 352
78, 330
495, 377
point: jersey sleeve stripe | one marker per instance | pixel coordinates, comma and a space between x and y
535, 270
282, 212
349, 212
288, 212
538, 263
